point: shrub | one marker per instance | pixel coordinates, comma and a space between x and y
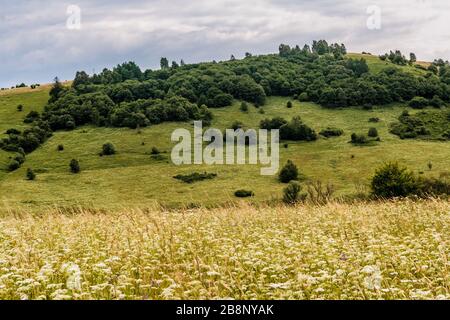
291, 194
289, 105
244, 107
74, 166
30, 174
434, 187
373, 133
359, 139
20, 108
270, 124
331, 132
60, 147
155, 151
393, 180
320, 194
194, 177
261, 111
374, 120
31, 117
108, 149
288, 173
303, 97
237, 125
13, 165
20, 158
244, 194
437, 102
418, 103
13, 131
296, 130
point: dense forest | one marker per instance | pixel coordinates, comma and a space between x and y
129, 97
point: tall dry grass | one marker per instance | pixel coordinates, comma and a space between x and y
380, 250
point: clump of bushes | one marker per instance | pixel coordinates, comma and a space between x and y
13, 165
393, 180
108, 149
374, 120
195, 177
244, 194
60, 147
331, 132
289, 105
74, 166
296, 130
288, 173
244, 107
31, 117
418, 103
359, 139
20, 108
272, 124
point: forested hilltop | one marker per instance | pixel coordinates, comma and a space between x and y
127, 96
324, 74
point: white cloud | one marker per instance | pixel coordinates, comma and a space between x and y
36, 45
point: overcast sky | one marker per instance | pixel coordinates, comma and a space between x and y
36, 45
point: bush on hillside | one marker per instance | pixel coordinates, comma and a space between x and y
244, 194
244, 107
373, 133
291, 194
74, 166
288, 173
30, 174
296, 130
108, 149
418, 103
392, 180
195, 177
13, 165
359, 139
331, 132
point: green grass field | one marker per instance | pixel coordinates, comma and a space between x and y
131, 178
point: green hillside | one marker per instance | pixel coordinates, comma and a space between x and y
132, 178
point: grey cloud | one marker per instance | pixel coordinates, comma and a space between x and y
36, 46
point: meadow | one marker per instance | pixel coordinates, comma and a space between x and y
385, 250
132, 178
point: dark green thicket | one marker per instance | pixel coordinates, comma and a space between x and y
393, 180
288, 173
331, 132
244, 194
291, 194
74, 166
431, 124
108, 149
195, 177
30, 174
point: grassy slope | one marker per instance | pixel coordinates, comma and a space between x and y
376, 65
391, 250
132, 178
